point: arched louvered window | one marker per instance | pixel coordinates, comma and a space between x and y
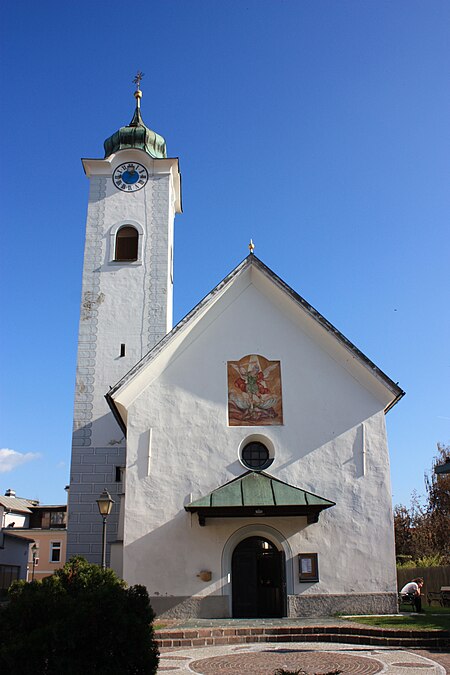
127, 239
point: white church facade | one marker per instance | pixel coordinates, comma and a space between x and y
245, 448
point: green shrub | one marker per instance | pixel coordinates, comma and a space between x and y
81, 620
406, 563
434, 560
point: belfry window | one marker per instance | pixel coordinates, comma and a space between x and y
126, 248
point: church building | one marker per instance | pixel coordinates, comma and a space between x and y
245, 448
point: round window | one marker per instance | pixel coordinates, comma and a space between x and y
256, 456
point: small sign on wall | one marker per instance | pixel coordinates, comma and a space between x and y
308, 569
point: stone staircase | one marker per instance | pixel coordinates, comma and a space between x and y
348, 634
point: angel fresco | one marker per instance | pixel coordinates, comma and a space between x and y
254, 392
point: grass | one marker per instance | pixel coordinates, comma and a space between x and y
433, 618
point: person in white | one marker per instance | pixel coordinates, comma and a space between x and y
411, 591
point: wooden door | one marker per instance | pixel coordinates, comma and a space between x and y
258, 579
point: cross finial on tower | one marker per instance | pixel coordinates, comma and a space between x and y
138, 92
137, 79
251, 246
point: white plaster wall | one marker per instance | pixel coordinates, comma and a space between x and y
129, 303
332, 443
19, 519
13, 551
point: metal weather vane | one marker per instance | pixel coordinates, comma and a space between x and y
137, 79
138, 92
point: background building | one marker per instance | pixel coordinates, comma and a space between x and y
43, 528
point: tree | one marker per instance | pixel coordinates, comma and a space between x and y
423, 530
438, 490
403, 535
82, 619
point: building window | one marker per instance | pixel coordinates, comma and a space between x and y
55, 551
127, 239
8, 574
57, 518
256, 456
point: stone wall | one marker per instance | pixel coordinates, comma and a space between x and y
352, 603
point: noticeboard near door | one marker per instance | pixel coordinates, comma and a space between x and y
308, 569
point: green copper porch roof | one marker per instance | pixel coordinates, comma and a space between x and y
258, 494
136, 135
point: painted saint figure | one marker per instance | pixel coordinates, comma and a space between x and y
254, 397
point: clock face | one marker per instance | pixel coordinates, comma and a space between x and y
130, 177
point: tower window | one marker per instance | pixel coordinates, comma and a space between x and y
126, 244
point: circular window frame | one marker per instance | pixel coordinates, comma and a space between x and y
266, 442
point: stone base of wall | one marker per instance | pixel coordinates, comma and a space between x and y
352, 603
218, 607
185, 607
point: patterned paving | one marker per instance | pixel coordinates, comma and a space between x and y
410, 665
268, 661
443, 658
313, 658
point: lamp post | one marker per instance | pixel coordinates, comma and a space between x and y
34, 550
105, 503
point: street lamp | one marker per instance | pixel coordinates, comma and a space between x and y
34, 550
105, 503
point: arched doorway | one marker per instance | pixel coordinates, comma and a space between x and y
258, 579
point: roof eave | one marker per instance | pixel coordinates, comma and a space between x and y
175, 330
330, 328
249, 260
115, 411
400, 395
310, 512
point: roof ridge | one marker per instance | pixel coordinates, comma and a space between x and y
252, 260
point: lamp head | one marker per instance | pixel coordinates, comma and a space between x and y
105, 503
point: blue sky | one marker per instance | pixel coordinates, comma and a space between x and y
318, 128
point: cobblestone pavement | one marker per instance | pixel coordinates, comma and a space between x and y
440, 657
266, 658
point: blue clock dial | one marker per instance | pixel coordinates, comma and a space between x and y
130, 177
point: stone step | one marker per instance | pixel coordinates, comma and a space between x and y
203, 637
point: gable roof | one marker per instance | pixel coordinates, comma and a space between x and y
12, 535
250, 262
256, 493
17, 504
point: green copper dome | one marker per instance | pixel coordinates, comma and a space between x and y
136, 135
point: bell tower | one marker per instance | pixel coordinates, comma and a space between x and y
126, 308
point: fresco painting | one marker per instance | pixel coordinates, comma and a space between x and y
254, 392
